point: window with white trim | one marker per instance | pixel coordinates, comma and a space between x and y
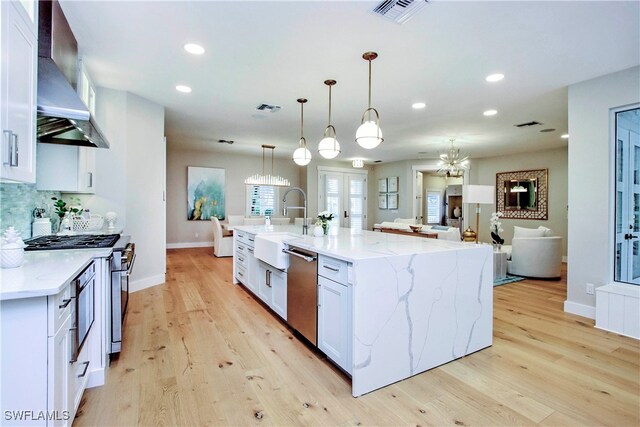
262, 200
434, 207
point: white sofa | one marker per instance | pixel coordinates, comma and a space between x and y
534, 253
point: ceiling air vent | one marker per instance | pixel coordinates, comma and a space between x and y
528, 124
269, 107
399, 11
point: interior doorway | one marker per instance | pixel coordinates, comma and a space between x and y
438, 197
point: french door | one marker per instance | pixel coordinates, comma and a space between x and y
627, 194
344, 194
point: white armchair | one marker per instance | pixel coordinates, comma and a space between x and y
222, 245
535, 257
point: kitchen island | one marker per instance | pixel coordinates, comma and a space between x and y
414, 303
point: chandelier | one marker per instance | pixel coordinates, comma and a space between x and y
452, 163
262, 179
369, 134
302, 155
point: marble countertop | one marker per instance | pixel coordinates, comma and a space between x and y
353, 245
45, 272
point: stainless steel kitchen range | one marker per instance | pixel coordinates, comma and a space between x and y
62, 313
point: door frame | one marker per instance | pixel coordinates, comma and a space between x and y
433, 166
351, 171
611, 241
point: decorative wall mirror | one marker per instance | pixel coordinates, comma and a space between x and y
522, 194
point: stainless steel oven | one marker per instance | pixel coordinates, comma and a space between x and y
83, 294
121, 267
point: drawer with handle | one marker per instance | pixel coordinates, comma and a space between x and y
242, 275
59, 307
334, 269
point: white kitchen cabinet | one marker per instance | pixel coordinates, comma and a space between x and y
272, 288
66, 168
278, 281
252, 270
58, 373
18, 72
334, 321
264, 284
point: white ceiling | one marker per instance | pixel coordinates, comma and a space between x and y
275, 52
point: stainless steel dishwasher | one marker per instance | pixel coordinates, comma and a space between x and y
302, 292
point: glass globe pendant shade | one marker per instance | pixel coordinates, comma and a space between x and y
369, 135
329, 147
302, 156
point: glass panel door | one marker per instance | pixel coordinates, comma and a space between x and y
344, 195
627, 197
356, 190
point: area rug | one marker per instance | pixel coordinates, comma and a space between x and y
508, 279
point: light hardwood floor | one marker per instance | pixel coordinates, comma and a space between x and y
201, 351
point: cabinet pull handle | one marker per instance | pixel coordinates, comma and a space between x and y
86, 367
14, 160
331, 268
90, 176
65, 303
241, 259
269, 278
6, 135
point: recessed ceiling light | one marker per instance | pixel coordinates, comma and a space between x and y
418, 105
565, 136
490, 112
494, 77
183, 89
194, 49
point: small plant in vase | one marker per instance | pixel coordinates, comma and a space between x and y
323, 221
496, 229
62, 209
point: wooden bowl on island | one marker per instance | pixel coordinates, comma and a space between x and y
415, 228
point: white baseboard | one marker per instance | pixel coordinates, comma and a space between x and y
189, 245
580, 309
147, 282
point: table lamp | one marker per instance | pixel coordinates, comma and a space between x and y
478, 194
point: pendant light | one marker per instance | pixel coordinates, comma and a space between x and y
270, 179
302, 156
329, 147
369, 134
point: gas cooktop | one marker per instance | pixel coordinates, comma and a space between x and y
82, 241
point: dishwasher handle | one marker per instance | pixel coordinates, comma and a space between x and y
299, 255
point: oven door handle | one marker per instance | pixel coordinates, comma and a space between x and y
130, 269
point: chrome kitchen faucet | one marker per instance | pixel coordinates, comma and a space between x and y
305, 227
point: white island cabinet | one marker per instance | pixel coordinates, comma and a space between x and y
334, 311
393, 306
18, 70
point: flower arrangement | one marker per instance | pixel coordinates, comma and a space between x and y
496, 228
323, 220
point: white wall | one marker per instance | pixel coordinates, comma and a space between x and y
184, 233
483, 171
130, 177
590, 250
145, 187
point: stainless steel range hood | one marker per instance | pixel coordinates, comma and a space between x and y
62, 116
